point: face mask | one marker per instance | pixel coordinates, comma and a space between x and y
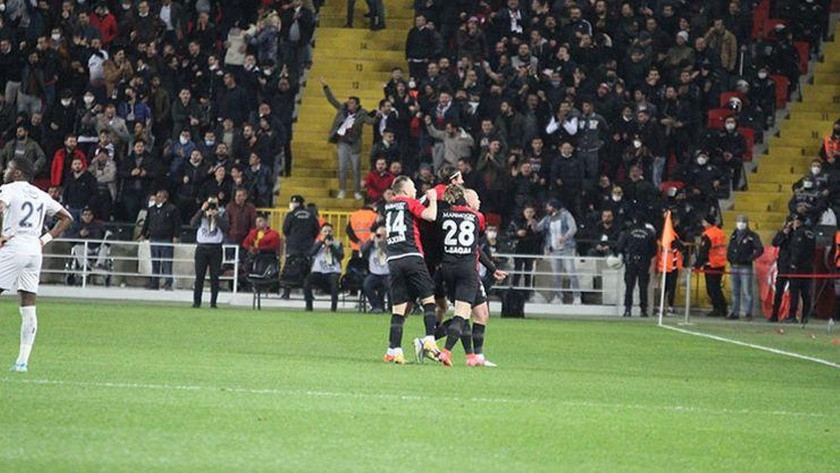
816, 170
144, 15
807, 184
627, 119
66, 102
730, 126
183, 140
491, 235
267, 72
741, 225
762, 75
88, 99
151, 202
637, 144
55, 37
702, 161
616, 197
555, 83
209, 142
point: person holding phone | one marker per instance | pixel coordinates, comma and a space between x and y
212, 223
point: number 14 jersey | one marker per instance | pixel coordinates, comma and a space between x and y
402, 216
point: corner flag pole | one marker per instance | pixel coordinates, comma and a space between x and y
662, 289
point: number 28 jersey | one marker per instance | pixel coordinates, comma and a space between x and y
402, 216
460, 228
26, 208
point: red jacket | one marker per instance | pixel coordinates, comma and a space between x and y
269, 242
107, 27
376, 184
61, 165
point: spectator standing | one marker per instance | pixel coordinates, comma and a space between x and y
711, 259
162, 226
104, 170
297, 27
527, 242
378, 280
259, 180
346, 133
80, 188
801, 264
241, 215
326, 268
378, 181
212, 223
456, 143
63, 160
136, 173
560, 228
744, 247
782, 240
419, 47
23, 146
638, 245
592, 130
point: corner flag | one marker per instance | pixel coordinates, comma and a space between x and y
668, 238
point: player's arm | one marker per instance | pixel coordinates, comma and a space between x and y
430, 212
64, 219
3, 238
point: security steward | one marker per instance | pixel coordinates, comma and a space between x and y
300, 228
638, 245
782, 240
212, 223
359, 227
711, 258
801, 263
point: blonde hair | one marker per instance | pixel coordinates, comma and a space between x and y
453, 194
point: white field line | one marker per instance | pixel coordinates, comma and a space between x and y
411, 397
754, 346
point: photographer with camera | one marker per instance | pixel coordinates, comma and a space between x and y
326, 267
212, 223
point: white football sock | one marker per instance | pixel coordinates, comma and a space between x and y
28, 328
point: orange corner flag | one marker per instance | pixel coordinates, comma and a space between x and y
668, 238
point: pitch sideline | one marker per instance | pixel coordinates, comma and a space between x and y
812, 359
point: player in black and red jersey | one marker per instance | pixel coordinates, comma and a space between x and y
460, 227
410, 278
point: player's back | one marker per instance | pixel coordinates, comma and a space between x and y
460, 227
26, 208
401, 222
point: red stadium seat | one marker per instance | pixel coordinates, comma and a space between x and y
760, 15
782, 84
804, 50
770, 27
724, 97
668, 184
749, 137
716, 118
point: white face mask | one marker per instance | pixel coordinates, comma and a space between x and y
815, 170
741, 225
66, 102
88, 99
55, 37
762, 75
730, 126
616, 198
491, 235
144, 15
637, 144
183, 140
807, 184
702, 161
209, 142
292, 206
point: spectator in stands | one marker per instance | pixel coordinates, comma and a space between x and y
109, 120
603, 237
378, 280
326, 254
732, 148
22, 145
559, 228
419, 47
567, 177
63, 158
387, 147
80, 188
136, 173
219, 185
528, 241
261, 238
744, 248
242, 214
808, 202
104, 170
592, 132
378, 180
212, 223
346, 132
524, 187
259, 181
455, 142
162, 228
831, 144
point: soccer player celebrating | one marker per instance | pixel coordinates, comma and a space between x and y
24, 208
409, 275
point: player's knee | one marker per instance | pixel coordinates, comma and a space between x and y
462, 309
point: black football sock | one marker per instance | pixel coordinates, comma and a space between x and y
466, 338
453, 333
478, 338
395, 338
429, 319
440, 330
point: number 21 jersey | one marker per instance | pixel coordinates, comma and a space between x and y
26, 208
402, 215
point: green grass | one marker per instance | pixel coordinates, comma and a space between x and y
145, 387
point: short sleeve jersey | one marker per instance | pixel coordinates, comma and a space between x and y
460, 227
402, 216
26, 208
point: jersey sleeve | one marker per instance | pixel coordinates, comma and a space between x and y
51, 206
4, 195
482, 222
415, 207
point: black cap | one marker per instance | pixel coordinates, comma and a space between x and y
298, 199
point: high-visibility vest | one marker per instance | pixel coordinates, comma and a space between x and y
717, 250
361, 221
832, 146
837, 249
674, 260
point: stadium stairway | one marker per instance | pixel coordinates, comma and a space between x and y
354, 62
792, 149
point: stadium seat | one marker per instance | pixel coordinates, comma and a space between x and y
782, 85
749, 137
263, 276
769, 29
724, 97
668, 184
804, 50
716, 118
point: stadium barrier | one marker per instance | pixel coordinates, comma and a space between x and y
126, 263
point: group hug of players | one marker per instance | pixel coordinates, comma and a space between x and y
433, 257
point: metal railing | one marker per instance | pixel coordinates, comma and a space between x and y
127, 263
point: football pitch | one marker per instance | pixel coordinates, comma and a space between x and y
156, 387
